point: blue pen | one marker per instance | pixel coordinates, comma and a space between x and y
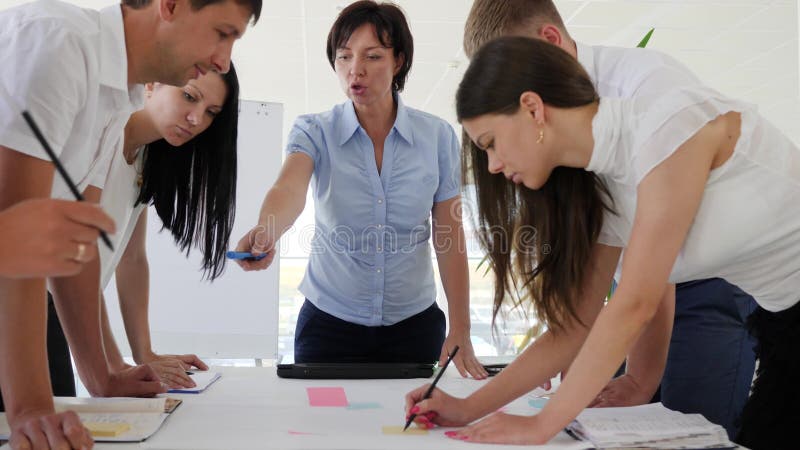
244, 255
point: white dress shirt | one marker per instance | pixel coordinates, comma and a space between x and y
68, 67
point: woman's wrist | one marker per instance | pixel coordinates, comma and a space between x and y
459, 327
144, 356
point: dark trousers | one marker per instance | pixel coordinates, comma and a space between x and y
771, 416
321, 337
62, 378
711, 356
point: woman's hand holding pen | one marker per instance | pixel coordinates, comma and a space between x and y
439, 409
257, 241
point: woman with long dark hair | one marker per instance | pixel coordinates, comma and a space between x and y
180, 157
386, 184
691, 185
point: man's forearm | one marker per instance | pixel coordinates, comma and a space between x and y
23, 373
77, 300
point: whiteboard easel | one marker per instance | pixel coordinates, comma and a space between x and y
236, 316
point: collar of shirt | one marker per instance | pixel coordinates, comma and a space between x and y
586, 58
349, 124
114, 60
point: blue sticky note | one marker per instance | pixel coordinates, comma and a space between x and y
364, 405
538, 402
244, 255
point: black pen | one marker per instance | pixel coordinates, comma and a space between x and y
40, 137
433, 385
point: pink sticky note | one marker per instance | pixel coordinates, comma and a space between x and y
301, 433
326, 396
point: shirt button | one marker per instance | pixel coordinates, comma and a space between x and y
380, 225
380, 200
379, 270
380, 249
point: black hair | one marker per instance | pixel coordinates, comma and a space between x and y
193, 187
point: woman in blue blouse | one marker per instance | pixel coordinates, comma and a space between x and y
382, 173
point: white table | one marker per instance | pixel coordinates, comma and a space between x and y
251, 408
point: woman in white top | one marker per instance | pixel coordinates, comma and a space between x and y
691, 185
179, 155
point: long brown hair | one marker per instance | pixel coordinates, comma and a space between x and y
538, 241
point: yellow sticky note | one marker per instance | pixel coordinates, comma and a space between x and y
398, 429
105, 429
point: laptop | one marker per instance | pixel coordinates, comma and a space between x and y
353, 371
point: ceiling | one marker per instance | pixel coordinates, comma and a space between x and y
745, 48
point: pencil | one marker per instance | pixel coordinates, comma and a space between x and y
63, 172
433, 385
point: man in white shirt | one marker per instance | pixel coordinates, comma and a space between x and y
79, 73
709, 320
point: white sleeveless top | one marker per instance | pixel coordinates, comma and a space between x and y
747, 229
119, 196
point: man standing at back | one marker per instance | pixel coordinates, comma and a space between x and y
79, 73
710, 364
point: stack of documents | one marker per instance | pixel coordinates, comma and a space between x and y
649, 426
111, 419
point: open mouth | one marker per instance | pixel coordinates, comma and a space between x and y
358, 89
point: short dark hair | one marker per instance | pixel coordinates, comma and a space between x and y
489, 19
193, 187
255, 5
390, 26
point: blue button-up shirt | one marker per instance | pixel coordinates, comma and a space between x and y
370, 260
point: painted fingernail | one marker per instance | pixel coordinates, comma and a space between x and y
453, 435
414, 410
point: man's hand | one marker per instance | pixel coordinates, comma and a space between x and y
46, 430
622, 391
46, 237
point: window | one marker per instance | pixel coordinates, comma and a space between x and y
512, 328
